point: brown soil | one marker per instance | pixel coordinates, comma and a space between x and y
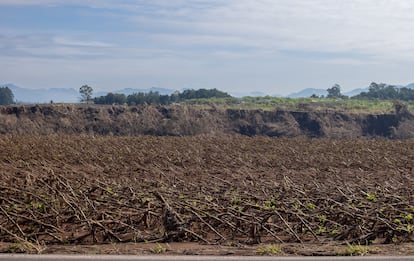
230, 193
173, 248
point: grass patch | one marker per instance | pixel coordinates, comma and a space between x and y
159, 249
355, 250
304, 104
269, 250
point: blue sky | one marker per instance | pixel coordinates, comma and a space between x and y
273, 46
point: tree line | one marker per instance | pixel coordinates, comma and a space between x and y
384, 91
376, 91
379, 91
157, 98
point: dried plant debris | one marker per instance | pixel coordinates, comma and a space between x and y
208, 189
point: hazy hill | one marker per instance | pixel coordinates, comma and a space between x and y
355, 92
129, 91
251, 94
25, 95
71, 95
410, 86
68, 95
307, 93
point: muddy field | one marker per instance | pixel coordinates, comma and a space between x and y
227, 191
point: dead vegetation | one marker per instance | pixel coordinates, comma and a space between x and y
210, 189
109, 120
184, 120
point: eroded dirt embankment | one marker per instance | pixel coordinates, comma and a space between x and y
180, 120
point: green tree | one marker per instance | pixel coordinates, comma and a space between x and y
406, 94
111, 98
86, 93
6, 96
157, 98
202, 94
334, 91
382, 91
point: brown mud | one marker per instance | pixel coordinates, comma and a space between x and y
65, 191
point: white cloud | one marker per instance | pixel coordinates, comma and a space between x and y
375, 28
372, 27
381, 29
264, 39
80, 43
25, 2
51, 46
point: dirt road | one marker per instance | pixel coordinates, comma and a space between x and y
194, 258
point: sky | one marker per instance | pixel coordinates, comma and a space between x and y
239, 46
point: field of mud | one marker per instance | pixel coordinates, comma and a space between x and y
225, 190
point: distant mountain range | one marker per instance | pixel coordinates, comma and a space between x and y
129, 91
70, 95
319, 92
25, 95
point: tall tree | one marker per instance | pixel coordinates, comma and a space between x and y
86, 93
6, 96
334, 91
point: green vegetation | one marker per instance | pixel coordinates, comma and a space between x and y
371, 197
159, 249
381, 98
111, 98
335, 92
269, 250
384, 91
270, 103
157, 98
6, 96
356, 250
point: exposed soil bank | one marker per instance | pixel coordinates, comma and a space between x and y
179, 120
